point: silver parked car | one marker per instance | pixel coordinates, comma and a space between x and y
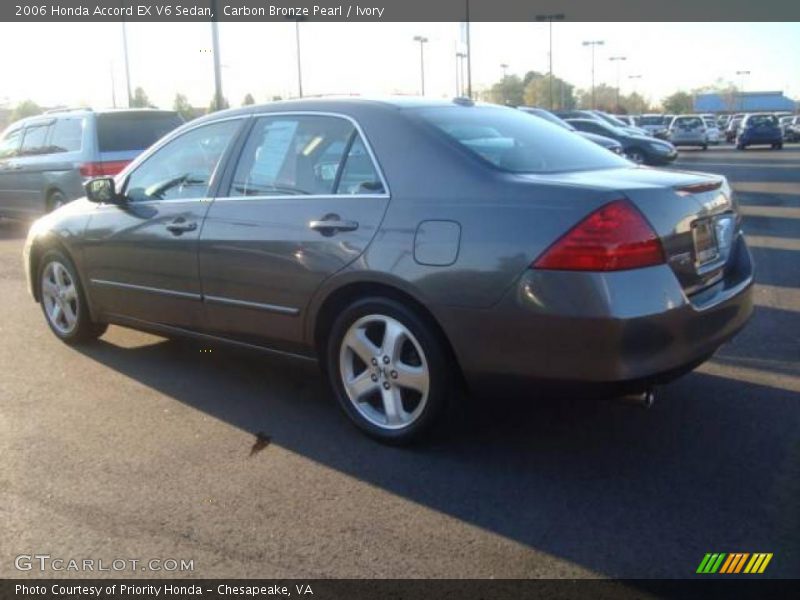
45, 160
688, 130
502, 249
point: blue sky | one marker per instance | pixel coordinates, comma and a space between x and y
381, 58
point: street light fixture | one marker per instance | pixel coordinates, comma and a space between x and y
550, 19
617, 59
422, 41
593, 44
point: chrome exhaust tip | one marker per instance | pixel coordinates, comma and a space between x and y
644, 399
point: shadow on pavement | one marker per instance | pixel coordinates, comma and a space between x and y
714, 466
13, 230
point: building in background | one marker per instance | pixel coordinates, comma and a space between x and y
743, 102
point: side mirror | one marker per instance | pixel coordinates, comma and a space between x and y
101, 190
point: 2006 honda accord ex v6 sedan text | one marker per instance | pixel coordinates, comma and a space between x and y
413, 247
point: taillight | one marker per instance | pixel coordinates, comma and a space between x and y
614, 237
101, 169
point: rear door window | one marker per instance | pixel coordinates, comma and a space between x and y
33, 142
304, 155
66, 135
133, 131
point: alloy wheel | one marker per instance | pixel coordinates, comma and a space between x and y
60, 297
384, 371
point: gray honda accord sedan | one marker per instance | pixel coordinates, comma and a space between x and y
412, 247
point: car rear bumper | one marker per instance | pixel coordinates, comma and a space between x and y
625, 326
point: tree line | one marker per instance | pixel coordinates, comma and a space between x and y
537, 89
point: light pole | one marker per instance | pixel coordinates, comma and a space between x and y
593, 43
127, 66
422, 41
299, 62
631, 78
741, 75
215, 50
469, 53
617, 59
504, 66
550, 19
460, 56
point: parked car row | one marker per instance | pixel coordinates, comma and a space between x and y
505, 251
44, 160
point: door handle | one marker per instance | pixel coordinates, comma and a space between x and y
179, 226
330, 224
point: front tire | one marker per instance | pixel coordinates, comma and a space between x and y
636, 155
63, 300
390, 370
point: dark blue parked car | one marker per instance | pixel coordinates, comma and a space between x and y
760, 129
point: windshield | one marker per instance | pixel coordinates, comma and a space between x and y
548, 116
512, 141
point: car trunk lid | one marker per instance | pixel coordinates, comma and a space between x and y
693, 214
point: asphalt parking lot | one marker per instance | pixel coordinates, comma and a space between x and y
141, 447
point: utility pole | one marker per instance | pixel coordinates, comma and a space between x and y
617, 59
422, 41
593, 43
550, 19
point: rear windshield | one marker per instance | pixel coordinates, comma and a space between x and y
513, 141
761, 120
688, 122
651, 120
121, 132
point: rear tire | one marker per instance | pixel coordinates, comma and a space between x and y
740, 146
64, 302
389, 369
55, 200
705, 146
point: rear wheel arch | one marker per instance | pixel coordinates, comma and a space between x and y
50, 196
343, 296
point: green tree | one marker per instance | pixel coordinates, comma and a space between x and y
678, 103
26, 108
633, 104
509, 91
212, 107
140, 99
605, 98
182, 107
537, 93
248, 100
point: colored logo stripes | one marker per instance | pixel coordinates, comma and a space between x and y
737, 562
